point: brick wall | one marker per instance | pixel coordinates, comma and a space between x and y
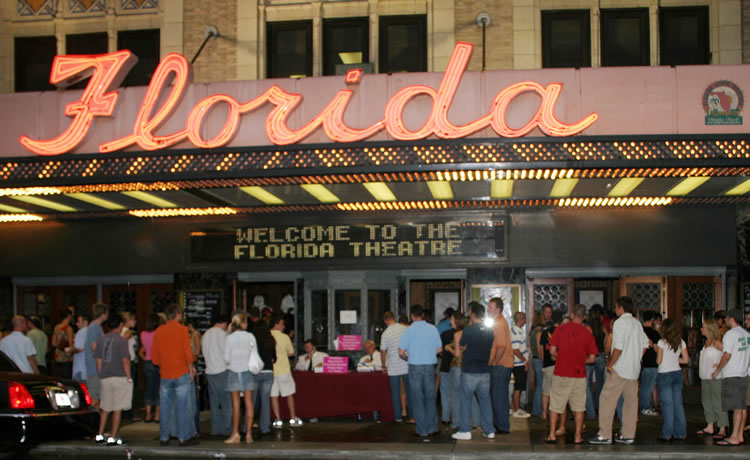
218, 60
499, 40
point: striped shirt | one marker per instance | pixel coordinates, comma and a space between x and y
389, 342
518, 342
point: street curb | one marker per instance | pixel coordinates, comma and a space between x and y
276, 451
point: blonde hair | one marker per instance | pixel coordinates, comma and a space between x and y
237, 320
713, 333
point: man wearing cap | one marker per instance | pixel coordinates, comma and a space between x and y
733, 367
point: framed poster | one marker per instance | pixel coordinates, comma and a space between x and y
591, 297
443, 300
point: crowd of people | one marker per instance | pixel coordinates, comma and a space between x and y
592, 364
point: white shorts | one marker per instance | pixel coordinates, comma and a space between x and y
283, 385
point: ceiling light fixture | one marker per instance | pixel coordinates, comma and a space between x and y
320, 192
441, 190
44, 203
380, 191
96, 201
686, 186
563, 188
263, 195
150, 199
625, 186
6, 208
501, 188
740, 189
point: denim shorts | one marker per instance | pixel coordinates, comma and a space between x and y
241, 381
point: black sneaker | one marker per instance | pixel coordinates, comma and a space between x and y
621, 440
599, 440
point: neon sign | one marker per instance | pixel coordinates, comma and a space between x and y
108, 70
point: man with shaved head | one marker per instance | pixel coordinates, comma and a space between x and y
19, 348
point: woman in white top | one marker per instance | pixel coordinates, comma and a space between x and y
670, 353
237, 350
711, 388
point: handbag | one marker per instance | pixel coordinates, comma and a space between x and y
255, 363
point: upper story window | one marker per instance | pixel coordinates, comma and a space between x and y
625, 37
683, 36
95, 43
403, 44
33, 62
146, 46
289, 49
566, 38
345, 41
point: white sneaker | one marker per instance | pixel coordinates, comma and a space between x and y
277, 424
488, 435
295, 422
520, 413
462, 436
649, 412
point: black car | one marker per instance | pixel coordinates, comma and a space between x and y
36, 408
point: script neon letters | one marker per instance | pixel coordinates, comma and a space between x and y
173, 75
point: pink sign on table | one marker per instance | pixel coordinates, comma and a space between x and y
335, 364
350, 342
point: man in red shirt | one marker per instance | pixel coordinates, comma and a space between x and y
573, 346
172, 353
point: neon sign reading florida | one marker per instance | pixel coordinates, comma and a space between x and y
173, 75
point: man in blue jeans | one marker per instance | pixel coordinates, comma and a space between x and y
420, 345
501, 366
476, 343
172, 353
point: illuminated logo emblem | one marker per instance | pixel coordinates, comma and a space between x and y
723, 102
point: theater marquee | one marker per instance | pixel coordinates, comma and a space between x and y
351, 241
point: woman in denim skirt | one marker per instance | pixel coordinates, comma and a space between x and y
240, 380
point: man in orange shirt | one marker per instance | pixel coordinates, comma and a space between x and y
501, 366
172, 353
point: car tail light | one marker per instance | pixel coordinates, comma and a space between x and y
86, 394
19, 396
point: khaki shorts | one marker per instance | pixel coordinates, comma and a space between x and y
568, 390
547, 374
117, 394
283, 385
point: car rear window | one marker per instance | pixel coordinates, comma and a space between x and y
6, 365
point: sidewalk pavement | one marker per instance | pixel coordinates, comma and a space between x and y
347, 438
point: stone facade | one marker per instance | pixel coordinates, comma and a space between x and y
513, 38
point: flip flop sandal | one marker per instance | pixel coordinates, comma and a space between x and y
727, 443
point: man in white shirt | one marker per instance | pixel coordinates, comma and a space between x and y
733, 367
19, 348
311, 359
79, 358
519, 345
396, 368
212, 345
372, 359
629, 343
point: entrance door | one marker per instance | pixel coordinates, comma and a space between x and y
141, 299
648, 293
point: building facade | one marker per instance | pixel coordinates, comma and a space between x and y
365, 156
